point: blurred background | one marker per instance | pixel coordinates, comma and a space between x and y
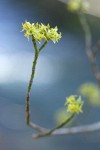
61, 69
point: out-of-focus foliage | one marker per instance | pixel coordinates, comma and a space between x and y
91, 92
78, 5
94, 8
61, 115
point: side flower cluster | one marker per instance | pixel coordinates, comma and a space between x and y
74, 104
40, 32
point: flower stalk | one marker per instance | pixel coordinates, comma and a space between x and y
38, 32
30, 82
49, 132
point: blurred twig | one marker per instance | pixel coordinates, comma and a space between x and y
71, 130
91, 52
96, 48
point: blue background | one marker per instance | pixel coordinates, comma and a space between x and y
61, 69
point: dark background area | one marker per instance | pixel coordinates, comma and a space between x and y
61, 69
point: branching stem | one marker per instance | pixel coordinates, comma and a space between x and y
50, 131
30, 85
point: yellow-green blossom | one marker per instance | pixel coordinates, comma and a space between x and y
41, 31
74, 104
76, 5
92, 92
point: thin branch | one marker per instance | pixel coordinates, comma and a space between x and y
88, 44
71, 130
29, 123
44, 44
37, 127
96, 48
30, 83
50, 131
80, 129
63, 123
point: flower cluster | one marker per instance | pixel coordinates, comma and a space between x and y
41, 31
74, 104
75, 5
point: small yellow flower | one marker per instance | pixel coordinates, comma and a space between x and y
74, 104
26, 26
41, 31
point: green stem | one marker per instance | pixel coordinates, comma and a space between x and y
57, 127
31, 81
63, 123
44, 44
37, 51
